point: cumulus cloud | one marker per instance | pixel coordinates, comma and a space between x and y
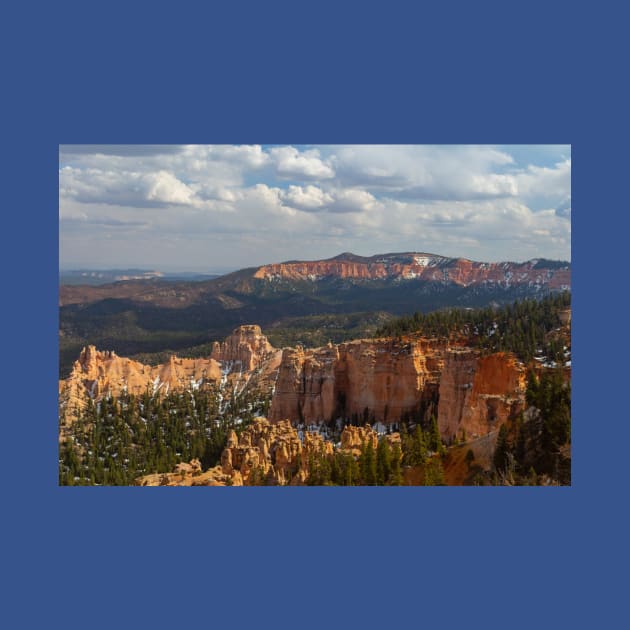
205, 156
165, 188
353, 200
124, 188
313, 199
544, 181
426, 172
309, 198
291, 163
240, 205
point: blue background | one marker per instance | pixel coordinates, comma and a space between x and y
273, 72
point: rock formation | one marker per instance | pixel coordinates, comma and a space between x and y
354, 438
191, 475
97, 374
271, 452
478, 394
246, 346
100, 373
388, 378
266, 454
379, 380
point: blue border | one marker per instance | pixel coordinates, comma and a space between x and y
282, 72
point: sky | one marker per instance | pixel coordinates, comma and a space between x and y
215, 208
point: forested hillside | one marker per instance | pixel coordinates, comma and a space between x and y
522, 327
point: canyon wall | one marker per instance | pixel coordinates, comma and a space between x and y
478, 394
381, 380
394, 378
386, 377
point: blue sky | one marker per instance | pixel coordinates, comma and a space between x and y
218, 207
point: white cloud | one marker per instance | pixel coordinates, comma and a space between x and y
124, 188
165, 188
307, 198
353, 200
292, 163
251, 204
425, 172
493, 185
546, 182
204, 156
312, 199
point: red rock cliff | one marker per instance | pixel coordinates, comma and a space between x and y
423, 266
478, 394
388, 378
391, 379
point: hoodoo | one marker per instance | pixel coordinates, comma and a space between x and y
103, 373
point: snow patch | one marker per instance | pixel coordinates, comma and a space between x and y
423, 261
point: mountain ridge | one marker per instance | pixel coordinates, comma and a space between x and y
403, 265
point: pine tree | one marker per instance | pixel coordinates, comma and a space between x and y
434, 473
383, 462
368, 465
395, 476
435, 439
502, 450
325, 471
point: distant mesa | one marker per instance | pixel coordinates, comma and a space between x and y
422, 266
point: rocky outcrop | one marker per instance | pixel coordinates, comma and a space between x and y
389, 378
96, 374
246, 346
100, 373
267, 454
190, 474
383, 378
305, 388
478, 394
271, 453
264, 454
354, 439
